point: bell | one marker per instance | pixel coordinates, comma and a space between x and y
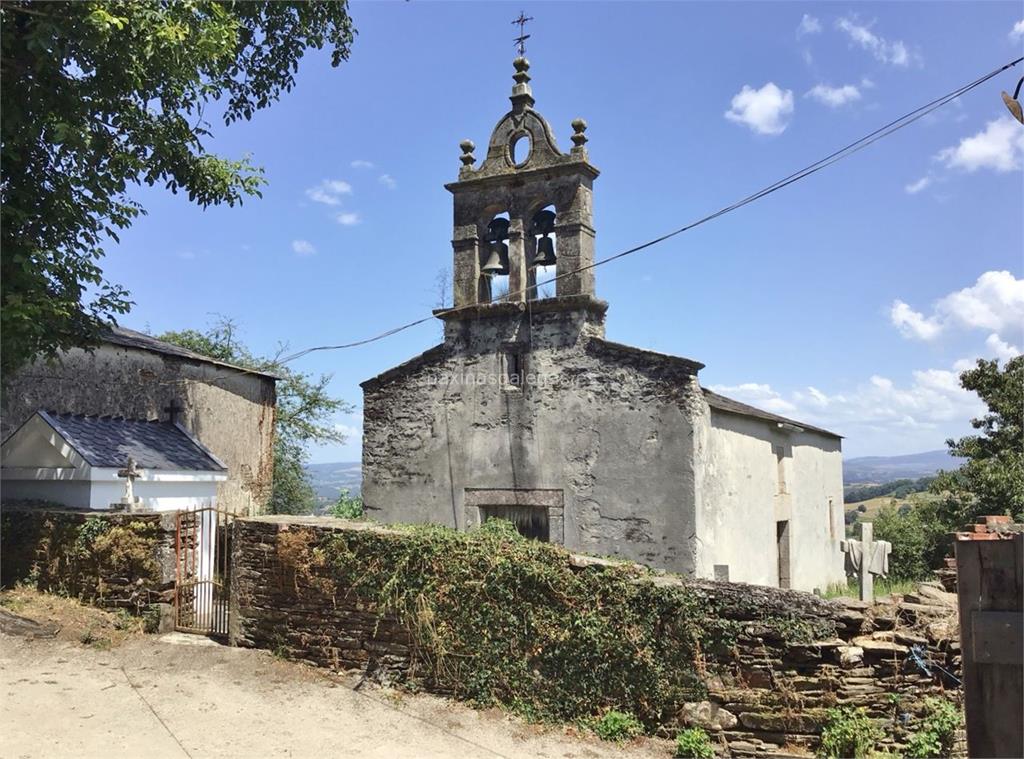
545, 255
497, 261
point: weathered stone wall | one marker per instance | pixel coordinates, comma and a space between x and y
768, 686
229, 411
611, 427
120, 560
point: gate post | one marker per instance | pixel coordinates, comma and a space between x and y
989, 590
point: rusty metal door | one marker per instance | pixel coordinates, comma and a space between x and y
202, 576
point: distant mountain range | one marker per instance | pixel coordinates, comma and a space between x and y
330, 479
887, 468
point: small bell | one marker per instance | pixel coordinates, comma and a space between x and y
545, 252
497, 261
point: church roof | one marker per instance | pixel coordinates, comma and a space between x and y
105, 441
721, 403
129, 338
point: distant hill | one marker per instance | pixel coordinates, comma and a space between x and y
330, 479
886, 468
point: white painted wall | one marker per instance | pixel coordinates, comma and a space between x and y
739, 502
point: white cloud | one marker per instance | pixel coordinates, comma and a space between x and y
999, 348
995, 304
808, 25
1000, 147
913, 323
765, 110
348, 218
878, 415
915, 187
359, 163
388, 181
186, 255
886, 51
329, 192
834, 96
348, 431
1018, 30
303, 247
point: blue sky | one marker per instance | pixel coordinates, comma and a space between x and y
849, 300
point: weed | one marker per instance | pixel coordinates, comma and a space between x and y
849, 734
693, 743
616, 726
937, 730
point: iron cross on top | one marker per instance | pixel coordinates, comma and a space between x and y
521, 39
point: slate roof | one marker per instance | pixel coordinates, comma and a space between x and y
721, 403
106, 441
129, 338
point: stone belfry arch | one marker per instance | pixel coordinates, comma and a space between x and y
523, 173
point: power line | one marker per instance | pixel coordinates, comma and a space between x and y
857, 145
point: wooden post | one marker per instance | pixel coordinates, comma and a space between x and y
867, 580
990, 588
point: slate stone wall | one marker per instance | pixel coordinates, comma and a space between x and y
767, 695
59, 550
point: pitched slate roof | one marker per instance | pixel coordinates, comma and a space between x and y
106, 441
721, 403
129, 338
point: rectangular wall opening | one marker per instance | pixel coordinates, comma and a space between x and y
782, 546
530, 521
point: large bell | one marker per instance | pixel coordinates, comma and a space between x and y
497, 261
545, 255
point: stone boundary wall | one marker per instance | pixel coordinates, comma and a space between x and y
107, 558
767, 694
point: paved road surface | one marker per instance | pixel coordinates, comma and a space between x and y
156, 698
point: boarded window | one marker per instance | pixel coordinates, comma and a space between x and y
530, 521
782, 545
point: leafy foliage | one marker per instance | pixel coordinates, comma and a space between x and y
99, 96
693, 743
849, 733
937, 731
616, 726
992, 480
919, 536
304, 412
894, 488
347, 506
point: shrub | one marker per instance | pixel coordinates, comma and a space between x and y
347, 506
919, 540
617, 726
849, 733
693, 743
937, 730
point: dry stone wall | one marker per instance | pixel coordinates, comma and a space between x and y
778, 661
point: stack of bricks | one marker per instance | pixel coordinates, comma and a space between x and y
994, 527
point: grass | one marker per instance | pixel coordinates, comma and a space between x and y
883, 586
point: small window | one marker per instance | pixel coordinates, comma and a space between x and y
515, 368
519, 148
530, 521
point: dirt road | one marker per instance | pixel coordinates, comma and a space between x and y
166, 696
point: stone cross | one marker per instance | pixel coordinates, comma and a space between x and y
867, 580
129, 473
521, 39
172, 409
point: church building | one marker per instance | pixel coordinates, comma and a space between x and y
527, 412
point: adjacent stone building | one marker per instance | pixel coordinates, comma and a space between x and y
228, 409
528, 413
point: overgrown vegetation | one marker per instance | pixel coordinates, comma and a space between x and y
85, 559
849, 733
497, 619
693, 743
937, 731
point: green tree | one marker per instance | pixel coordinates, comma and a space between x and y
992, 479
919, 537
100, 96
304, 411
347, 506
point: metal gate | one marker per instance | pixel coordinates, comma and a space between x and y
202, 576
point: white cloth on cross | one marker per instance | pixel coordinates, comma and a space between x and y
878, 562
